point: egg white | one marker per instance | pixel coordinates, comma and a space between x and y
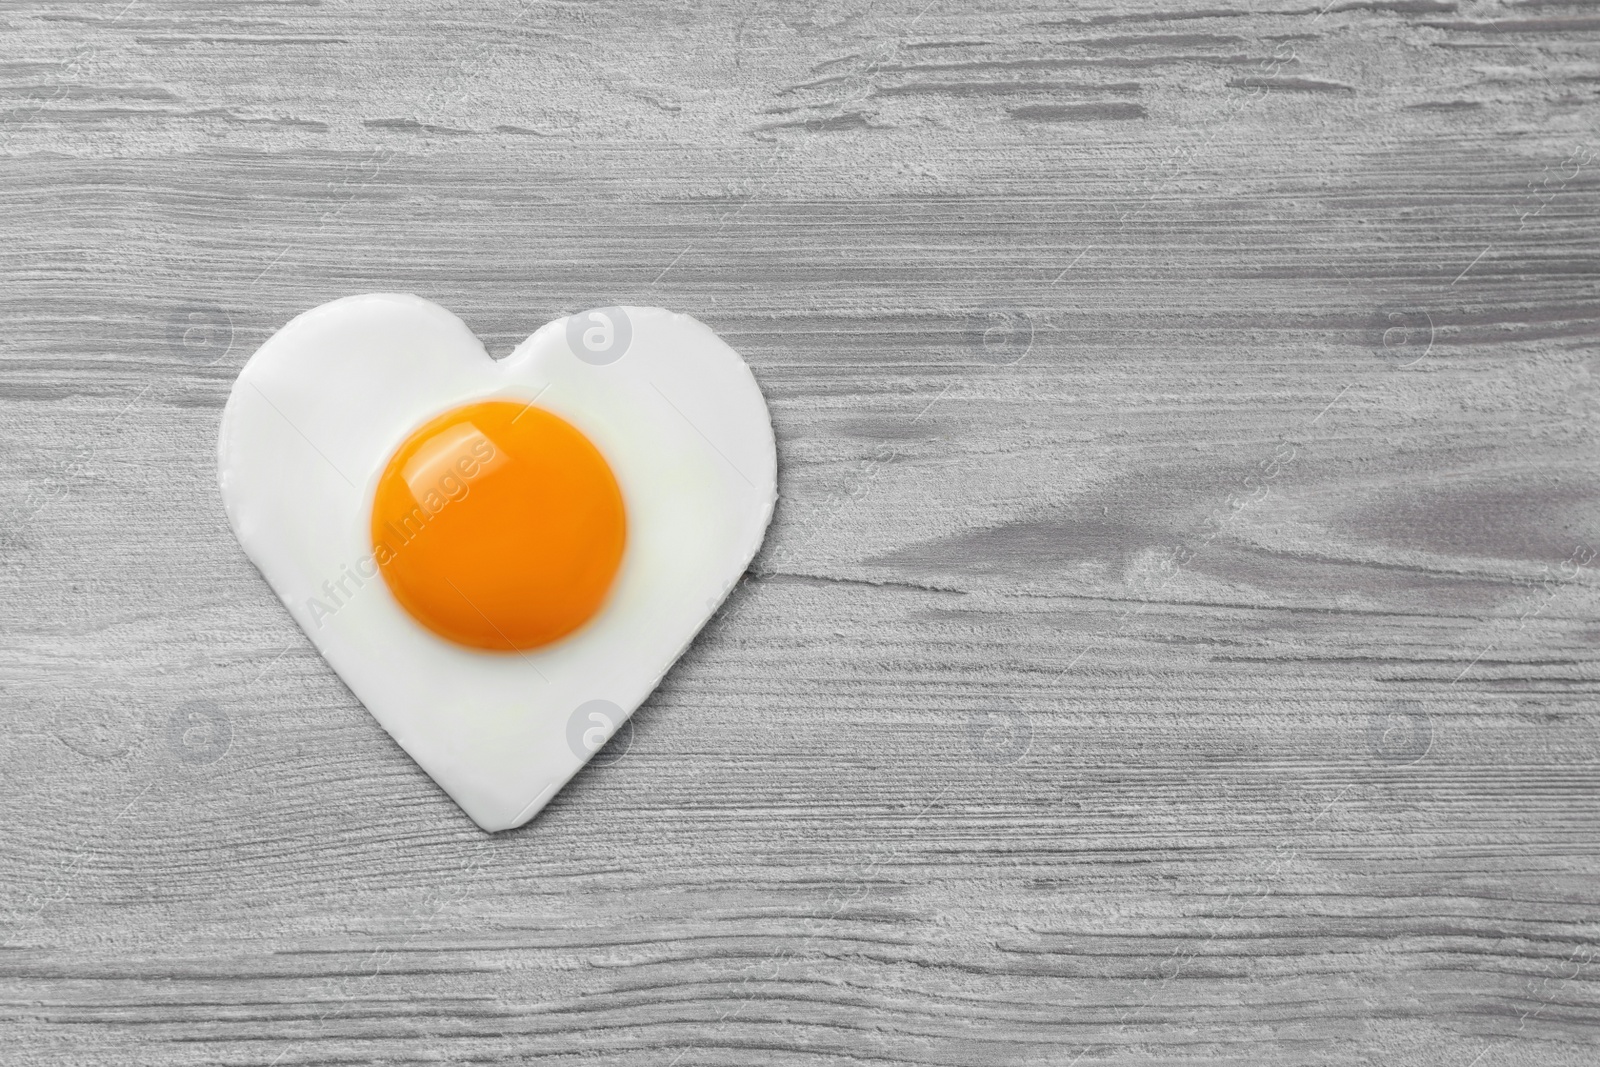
320, 407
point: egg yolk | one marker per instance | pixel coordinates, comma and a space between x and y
499, 526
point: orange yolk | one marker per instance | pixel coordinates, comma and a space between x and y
499, 526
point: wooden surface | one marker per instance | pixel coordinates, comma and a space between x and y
1177, 642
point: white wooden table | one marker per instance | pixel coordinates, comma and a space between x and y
1177, 642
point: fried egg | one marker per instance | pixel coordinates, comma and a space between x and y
501, 559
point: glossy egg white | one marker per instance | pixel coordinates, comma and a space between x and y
321, 406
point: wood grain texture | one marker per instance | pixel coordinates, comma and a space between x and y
1177, 642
